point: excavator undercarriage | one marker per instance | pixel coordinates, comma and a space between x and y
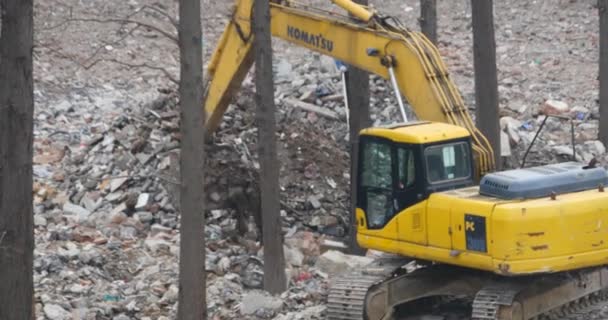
387, 290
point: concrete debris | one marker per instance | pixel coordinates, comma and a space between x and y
314, 201
293, 256
144, 217
39, 221
563, 150
56, 312
310, 313
505, 145
118, 182
155, 245
336, 262
254, 301
333, 245
142, 201
596, 147
307, 242
511, 127
91, 201
283, 70
554, 107
75, 210
312, 108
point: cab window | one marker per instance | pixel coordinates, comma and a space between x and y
377, 166
448, 162
407, 171
376, 183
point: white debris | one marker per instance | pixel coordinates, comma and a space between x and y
336, 262
255, 301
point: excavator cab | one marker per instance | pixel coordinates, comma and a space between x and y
403, 164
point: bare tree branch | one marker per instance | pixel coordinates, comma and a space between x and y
126, 20
91, 64
144, 65
163, 13
93, 59
170, 36
59, 25
98, 50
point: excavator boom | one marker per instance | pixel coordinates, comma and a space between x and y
366, 41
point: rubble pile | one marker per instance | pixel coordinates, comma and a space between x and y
107, 154
107, 213
566, 130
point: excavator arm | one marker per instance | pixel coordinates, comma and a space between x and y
365, 40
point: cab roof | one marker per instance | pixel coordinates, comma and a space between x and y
418, 132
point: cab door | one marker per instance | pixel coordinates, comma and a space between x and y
409, 195
439, 221
448, 165
375, 193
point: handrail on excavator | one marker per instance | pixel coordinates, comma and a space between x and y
355, 9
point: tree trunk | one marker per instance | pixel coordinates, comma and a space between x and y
192, 290
486, 83
16, 140
272, 239
357, 86
428, 19
603, 12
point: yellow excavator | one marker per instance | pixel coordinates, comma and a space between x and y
521, 244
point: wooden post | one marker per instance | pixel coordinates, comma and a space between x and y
192, 289
274, 262
428, 19
357, 87
16, 140
603, 12
486, 83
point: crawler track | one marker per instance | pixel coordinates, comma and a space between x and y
346, 298
447, 293
592, 307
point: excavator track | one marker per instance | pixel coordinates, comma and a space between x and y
391, 295
540, 297
346, 298
488, 302
583, 308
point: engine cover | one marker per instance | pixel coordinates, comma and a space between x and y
537, 182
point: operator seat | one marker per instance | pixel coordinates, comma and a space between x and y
436, 170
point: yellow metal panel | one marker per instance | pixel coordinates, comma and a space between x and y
389, 231
349, 42
479, 261
229, 64
333, 37
460, 207
420, 133
412, 224
355, 9
555, 264
574, 223
523, 237
438, 221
